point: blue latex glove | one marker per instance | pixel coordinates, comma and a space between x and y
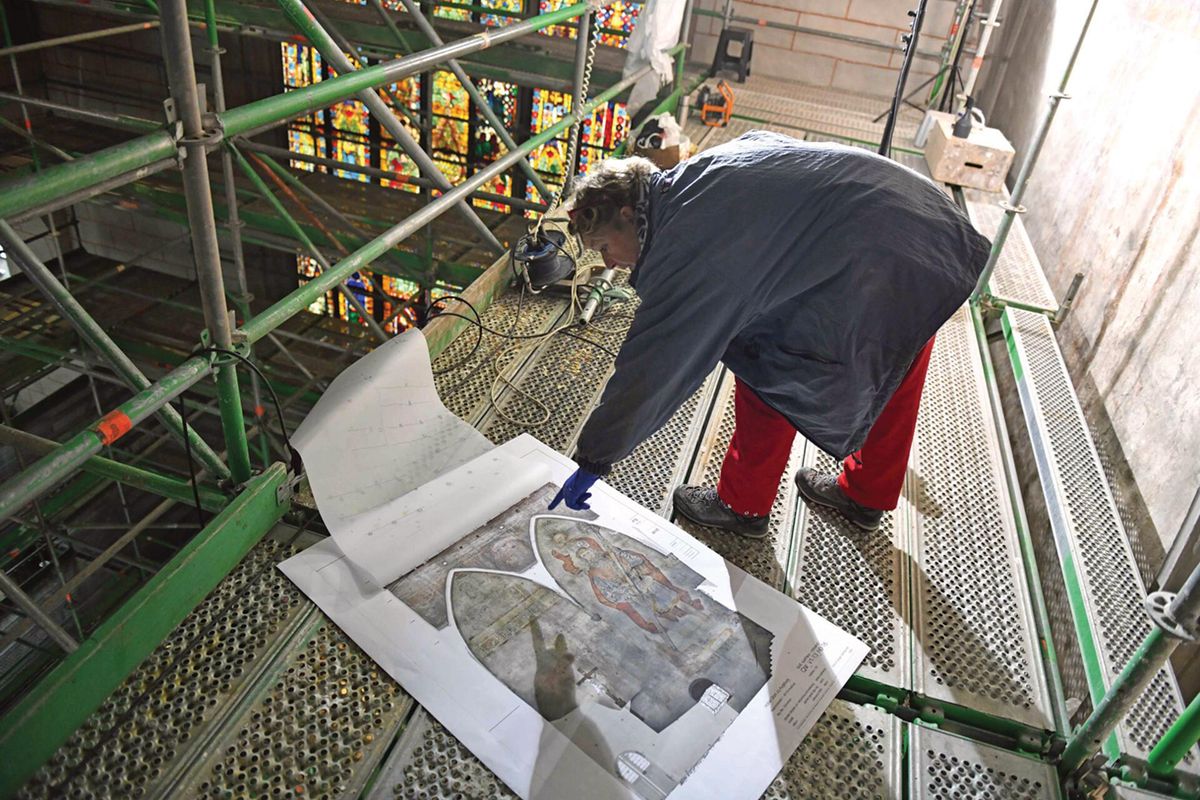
575, 491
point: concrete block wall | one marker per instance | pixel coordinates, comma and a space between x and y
821, 61
125, 235
126, 73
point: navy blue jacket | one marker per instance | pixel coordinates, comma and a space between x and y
816, 272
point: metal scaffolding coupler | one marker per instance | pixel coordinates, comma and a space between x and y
1162, 608
214, 127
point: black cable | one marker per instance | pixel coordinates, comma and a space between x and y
187, 449
597, 345
271, 389
478, 322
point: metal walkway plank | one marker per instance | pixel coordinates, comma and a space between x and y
763, 558
1088, 531
975, 639
183, 691
856, 580
1018, 274
851, 752
947, 767
463, 373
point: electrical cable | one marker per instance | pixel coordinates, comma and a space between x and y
187, 449
294, 456
502, 381
287, 441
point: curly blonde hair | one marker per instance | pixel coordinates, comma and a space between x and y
595, 199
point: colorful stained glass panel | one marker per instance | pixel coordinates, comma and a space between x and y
620, 16
511, 6
450, 99
354, 153
449, 134
396, 161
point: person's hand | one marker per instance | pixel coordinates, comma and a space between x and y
575, 491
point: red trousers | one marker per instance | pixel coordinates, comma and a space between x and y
872, 477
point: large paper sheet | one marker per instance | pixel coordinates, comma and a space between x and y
374, 447
605, 654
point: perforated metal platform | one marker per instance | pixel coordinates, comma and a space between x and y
1018, 274
976, 641
851, 751
856, 580
947, 767
822, 111
157, 720
1087, 529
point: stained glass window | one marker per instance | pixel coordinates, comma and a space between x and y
450, 12
512, 6
307, 268
545, 7
408, 94
548, 108
450, 136
616, 22
301, 141
487, 147
601, 133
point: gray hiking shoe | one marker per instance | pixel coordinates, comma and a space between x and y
701, 505
823, 490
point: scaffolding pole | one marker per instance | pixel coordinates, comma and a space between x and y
383, 174
1175, 618
299, 234
481, 102
241, 295
52, 468
35, 613
78, 37
181, 74
1013, 206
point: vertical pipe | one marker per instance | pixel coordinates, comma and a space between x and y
35, 613
681, 111
984, 38
177, 52
241, 294
910, 49
1013, 206
584, 53
304, 240
91, 332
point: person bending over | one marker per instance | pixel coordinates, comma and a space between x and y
817, 273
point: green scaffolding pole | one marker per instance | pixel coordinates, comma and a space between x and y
1176, 742
124, 159
303, 297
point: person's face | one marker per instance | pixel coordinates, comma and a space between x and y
616, 242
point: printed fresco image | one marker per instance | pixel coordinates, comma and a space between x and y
608, 639
502, 544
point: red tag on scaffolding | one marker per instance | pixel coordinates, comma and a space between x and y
113, 426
